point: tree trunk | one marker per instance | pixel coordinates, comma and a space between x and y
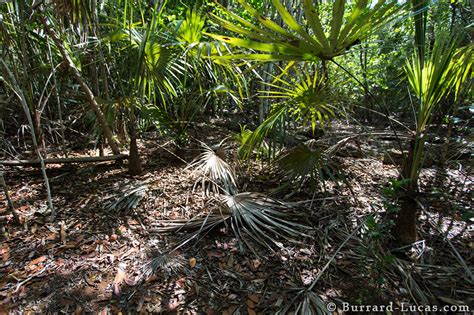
87, 91
405, 228
134, 163
38, 130
405, 224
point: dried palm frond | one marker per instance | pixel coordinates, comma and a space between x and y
167, 264
253, 217
260, 218
127, 199
215, 170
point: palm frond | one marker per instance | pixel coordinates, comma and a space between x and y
440, 75
304, 302
256, 139
213, 168
306, 98
190, 30
257, 218
306, 163
312, 40
309, 97
432, 80
166, 264
254, 218
127, 199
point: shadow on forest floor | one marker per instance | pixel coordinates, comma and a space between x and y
92, 257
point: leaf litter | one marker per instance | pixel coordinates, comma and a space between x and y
106, 251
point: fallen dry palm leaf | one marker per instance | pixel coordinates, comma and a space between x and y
421, 283
164, 263
127, 198
305, 302
215, 173
255, 219
261, 219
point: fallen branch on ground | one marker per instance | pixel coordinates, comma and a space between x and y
79, 159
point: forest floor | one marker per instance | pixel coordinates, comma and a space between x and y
95, 256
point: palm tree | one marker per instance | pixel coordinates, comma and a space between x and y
311, 39
432, 78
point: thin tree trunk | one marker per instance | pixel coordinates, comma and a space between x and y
25, 80
9, 201
58, 101
134, 163
39, 132
85, 88
21, 96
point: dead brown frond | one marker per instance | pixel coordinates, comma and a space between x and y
215, 174
254, 218
127, 198
166, 264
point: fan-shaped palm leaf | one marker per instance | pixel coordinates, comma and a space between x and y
127, 199
259, 219
306, 163
310, 41
432, 81
190, 30
440, 75
306, 98
309, 97
255, 219
304, 302
164, 264
212, 167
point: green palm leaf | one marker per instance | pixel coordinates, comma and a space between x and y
294, 41
307, 98
432, 79
438, 76
306, 163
